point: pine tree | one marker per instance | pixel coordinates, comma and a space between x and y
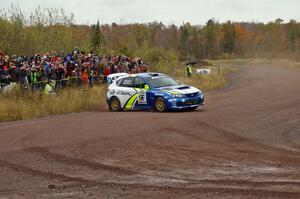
97, 40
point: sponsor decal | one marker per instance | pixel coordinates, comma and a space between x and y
172, 92
112, 92
130, 103
124, 93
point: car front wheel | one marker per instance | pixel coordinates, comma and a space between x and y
160, 104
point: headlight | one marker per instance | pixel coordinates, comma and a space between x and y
177, 95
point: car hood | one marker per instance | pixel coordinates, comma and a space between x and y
181, 89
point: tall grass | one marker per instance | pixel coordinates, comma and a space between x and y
211, 81
18, 106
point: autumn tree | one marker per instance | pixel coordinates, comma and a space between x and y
276, 41
293, 33
228, 38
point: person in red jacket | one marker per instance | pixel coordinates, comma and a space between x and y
84, 77
107, 72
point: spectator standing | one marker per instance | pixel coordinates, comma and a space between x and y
84, 77
34, 77
49, 89
107, 72
24, 76
189, 70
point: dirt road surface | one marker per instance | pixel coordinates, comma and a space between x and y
245, 143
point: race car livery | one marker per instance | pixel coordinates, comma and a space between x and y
152, 91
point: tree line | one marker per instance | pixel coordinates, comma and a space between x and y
46, 29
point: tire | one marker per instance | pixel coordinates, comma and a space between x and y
114, 104
160, 104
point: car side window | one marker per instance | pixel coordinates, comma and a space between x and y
127, 82
118, 82
139, 83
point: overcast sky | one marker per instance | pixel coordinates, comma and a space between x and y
168, 11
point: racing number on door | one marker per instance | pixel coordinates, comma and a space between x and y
142, 99
140, 85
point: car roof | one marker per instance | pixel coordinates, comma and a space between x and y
117, 74
145, 75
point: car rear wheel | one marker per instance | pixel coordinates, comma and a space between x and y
160, 104
114, 104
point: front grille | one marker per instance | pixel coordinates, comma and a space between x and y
192, 94
189, 102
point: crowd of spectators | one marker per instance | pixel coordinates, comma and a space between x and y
77, 67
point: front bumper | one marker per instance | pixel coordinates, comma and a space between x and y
185, 103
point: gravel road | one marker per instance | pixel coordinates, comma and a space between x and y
244, 143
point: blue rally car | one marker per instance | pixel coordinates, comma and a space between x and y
152, 91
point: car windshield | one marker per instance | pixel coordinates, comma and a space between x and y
162, 81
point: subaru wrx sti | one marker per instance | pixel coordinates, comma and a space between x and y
152, 91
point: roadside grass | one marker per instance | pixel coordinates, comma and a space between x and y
212, 81
19, 106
